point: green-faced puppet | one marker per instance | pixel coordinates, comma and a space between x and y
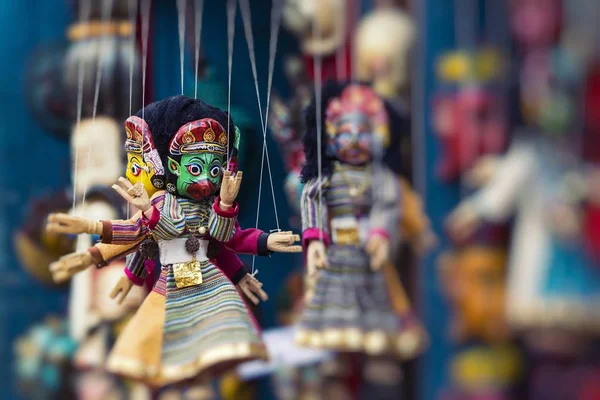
197, 157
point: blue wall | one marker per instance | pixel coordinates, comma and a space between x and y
32, 163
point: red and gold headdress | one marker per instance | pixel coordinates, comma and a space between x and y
205, 135
358, 99
135, 129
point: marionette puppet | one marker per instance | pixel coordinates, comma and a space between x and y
189, 222
350, 218
468, 118
553, 282
322, 29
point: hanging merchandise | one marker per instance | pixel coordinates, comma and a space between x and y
383, 42
474, 280
37, 248
340, 206
190, 225
468, 114
322, 26
485, 373
101, 58
45, 89
287, 124
43, 361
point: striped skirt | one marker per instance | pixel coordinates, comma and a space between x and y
354, 309
180, 334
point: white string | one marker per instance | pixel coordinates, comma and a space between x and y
145, 14
198, 8
317, 66
181, 6
355, 17
133, 24
231, 8
84, 16
106, 12
276, 10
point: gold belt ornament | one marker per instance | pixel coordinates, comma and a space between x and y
347, 236
187, 273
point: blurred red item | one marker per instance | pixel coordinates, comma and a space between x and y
536, 23
592, 231
469, 124
591, 147
329, 65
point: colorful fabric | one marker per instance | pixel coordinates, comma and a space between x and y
203, 321
352, 308
221, 227
135, 268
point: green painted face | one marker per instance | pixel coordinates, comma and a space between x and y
198, 175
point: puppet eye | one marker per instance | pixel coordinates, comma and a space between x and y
194, 169
136, 169
215, 171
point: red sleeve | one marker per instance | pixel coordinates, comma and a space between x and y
248, 241
231, 265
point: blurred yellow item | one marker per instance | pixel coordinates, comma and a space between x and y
454, 67
488, 65
475, 281
86, 30
232, 388
414, 224
382, 43
485, 367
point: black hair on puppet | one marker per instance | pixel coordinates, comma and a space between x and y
398, 125
165, 117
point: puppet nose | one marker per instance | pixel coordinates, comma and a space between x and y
201, 190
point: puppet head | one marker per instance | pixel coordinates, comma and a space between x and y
97, 144
192, 140
356, 123
474, 279
320, 24
143, 162
198, 156
535, 23
383, 41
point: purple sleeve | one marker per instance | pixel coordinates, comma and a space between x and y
231, 265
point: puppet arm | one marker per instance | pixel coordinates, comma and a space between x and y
496, 200
314, 212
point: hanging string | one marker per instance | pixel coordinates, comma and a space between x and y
84, 16
317, 66
145, 17
133, 24
231, 8
198, 8
276, 11
355, 17
247, 20
181, 6
106, 14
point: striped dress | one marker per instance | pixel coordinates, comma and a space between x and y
182, 333
351, 308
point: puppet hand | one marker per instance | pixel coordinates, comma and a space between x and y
69, 265
424, 242
283, 242
378, 248
69, 224
230, 186
316, 257
463, 222
482, 172
121, 289
250, 286
136, 195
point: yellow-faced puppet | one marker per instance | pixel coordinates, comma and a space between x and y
475, 281
143, 162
